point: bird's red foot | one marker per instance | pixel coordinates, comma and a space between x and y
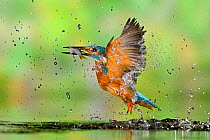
130, 106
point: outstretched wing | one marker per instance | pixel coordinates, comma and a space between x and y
125, 54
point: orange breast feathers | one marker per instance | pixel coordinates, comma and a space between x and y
112, 82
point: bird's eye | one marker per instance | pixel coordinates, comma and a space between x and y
94, 49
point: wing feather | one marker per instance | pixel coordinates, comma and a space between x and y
125, 54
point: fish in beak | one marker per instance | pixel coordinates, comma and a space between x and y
80, 51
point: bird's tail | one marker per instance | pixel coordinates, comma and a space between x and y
144, 101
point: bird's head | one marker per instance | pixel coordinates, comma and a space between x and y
97, 52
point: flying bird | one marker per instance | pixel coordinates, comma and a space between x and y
118, 65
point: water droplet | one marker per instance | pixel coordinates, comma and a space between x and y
68, 95
191, 94
55, 63
164, 83
177, 117
74, 59
166, 95
137, 110
79, 26
122, 88
56, 39
143, 47
159, 109
70, 110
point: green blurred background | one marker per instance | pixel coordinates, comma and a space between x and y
35, 76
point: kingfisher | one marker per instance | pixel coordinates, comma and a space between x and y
118, 65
